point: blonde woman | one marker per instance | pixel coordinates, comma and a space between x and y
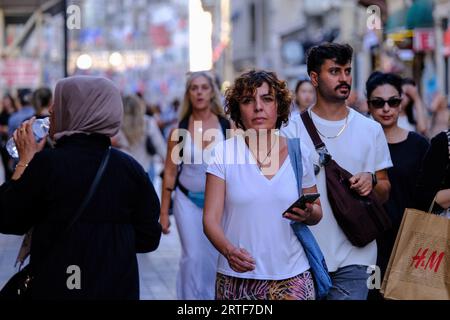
185, 176
140, 136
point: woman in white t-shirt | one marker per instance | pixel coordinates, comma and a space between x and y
250, 184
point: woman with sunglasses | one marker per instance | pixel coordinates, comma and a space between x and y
407, 148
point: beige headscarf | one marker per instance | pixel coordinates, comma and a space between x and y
86, 104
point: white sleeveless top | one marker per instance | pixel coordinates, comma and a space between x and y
195, 163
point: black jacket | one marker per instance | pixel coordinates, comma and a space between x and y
435, 173
120, 220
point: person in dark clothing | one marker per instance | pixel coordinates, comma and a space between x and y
48, 187
407, 149
434, 179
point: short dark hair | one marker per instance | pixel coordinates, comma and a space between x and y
316, 56
247, 83
24, 95
41, 98
378, 78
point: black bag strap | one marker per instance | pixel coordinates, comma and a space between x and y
92, 190
224, 125
80, 210
312, 131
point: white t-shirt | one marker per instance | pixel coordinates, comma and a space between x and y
252, 217
362, 147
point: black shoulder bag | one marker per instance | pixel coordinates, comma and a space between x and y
362, 219
19, 286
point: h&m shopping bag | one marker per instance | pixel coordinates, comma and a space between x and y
419, 266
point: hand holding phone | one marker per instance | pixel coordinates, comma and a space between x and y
302, 201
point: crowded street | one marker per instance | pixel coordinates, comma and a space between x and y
224, 150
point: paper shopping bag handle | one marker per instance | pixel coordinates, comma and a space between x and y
432, 204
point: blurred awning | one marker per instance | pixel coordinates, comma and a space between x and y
420, 15
396, 21
19, 11
26, 12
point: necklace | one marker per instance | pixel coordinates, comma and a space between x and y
260, 164
340, 131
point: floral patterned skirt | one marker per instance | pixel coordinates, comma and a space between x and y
300, 287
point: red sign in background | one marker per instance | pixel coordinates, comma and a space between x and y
21, 72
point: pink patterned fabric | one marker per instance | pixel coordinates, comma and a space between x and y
300, 287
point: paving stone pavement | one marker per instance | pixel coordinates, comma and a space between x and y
157, 269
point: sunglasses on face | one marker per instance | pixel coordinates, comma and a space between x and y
379, 103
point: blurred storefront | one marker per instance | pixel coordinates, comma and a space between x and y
31, 43
412, 45
142, 45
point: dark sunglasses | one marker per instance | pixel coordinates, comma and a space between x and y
324, 158
379, 103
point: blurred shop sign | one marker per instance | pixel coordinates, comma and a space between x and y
447, 43
423, 40
160, 36
402, 39
19, 72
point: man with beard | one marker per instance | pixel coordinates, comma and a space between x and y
358, 145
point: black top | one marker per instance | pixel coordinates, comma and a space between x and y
407, 158
120, 220
435, 173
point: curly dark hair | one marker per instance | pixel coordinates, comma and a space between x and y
247, 83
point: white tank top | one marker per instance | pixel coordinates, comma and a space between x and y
195, 163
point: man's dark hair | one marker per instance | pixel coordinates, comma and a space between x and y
377, 79
24, 96
316, 56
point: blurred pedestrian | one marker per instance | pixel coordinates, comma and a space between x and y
440, 115
48, 187
24, 112
407, 149
8, 107
413, 115
140, 136
261, 257
201, 113
169, 118
41, 100
305, 95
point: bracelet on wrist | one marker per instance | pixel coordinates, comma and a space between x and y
23, 165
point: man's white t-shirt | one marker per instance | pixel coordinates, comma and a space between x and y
362, 147
252, 217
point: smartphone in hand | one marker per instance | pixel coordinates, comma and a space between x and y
302, 201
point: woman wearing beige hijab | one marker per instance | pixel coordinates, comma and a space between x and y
96, 259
